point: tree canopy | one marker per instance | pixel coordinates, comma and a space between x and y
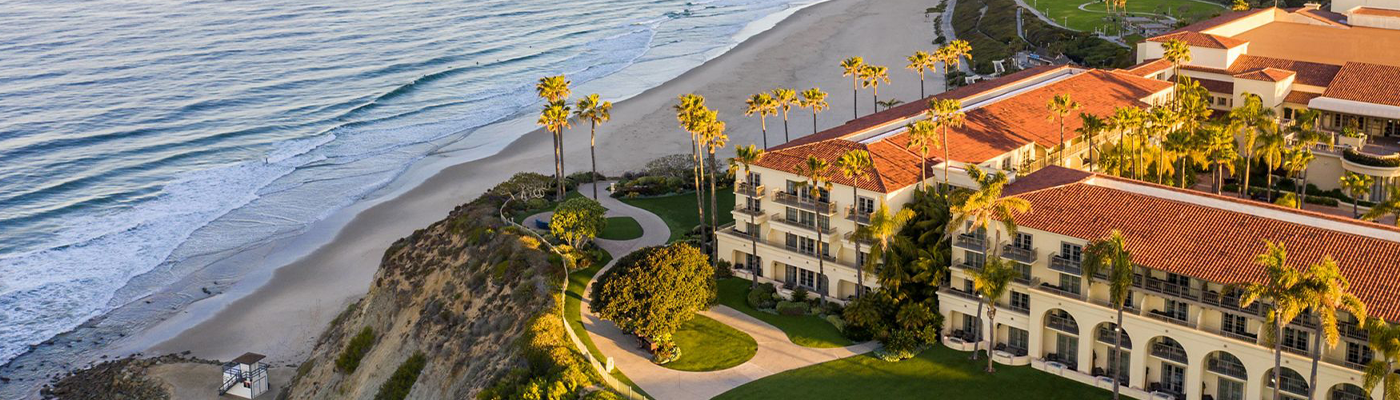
652, 291
578, 220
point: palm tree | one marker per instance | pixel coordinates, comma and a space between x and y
1091, 126
991, 283
978, 208
555, 89
958, 49
946, 113
814, 99
1358, 186
871, 76
1059, 107
1177, 52
1384, 338
764, 105
882, 231
1296, 161
595, 112
1124, 118
694, 119
852, 67
785, 100
1283, 289
921, 137
1162, 119
1239, 5
1110, 257
1182, 145
1391, 206
888, 104
746, 157
815, 171
855, 165
1269, 148
1219, 146
555, 119
713, 138
920, 62
1252, 119
1328, 293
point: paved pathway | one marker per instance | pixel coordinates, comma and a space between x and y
775, 352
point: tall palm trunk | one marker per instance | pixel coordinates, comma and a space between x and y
814, 122
1269, 179
786, 137
860, 267
593, 154
714, 211
753, 240
1303, 190
1244, 184
1091, 151
923, 168
763, 122
1062, 142
921, 85
991, 324
1219, 177
1278, 357
1316, 355
699, 172
558, 170
855, 99
977, 334
1117, 351
560, 151
875, 92
821, 263
1181, 174
1118, 169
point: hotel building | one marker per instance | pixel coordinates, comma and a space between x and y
1344, 62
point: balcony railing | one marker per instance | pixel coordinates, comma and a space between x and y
807, 252
967, 265
1169, 289
806, 203
740, 234
1353, 331
1231, 303
1017, 309
749, 189
1227, 368
970, 242
1028, 256
1061, 324
808, 225
1055, 290
958, 292
1109, 337
1293, 386
1066, 265
1168, 352
854, 213
1157, 314
753, 211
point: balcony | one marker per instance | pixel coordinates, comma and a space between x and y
1056, 290
1061, 324
1292, 386
959, 293
1353, 331
750, 211
1162, 316
1169, 289
1028, 256
733, 231
967, 265
1168, 352
1230, 303
1231, 368
859, 216
970, 242
805, 203
808, 252
1023, 310
1109, 337
807, 225
748, 189
1066, 265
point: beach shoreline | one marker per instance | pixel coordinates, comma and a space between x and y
281, 311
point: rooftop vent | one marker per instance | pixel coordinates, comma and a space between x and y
1312, 6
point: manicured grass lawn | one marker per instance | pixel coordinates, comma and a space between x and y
708, 345
938, 373
621, 228
804, 330
520, 216
573, 305
1078, 19
679, 211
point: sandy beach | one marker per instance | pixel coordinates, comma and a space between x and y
283, 317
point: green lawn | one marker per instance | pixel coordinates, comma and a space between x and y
1059, 10
679, 210
708, 345
938, 373
621, 228
573, 305
804, 330
519, 217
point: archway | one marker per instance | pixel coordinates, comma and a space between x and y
1225, 376
1167, 367
1106, 363
1293, 386
1061, 338
1347, 391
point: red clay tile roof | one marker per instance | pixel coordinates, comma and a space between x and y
1201, 40
1367, 83
1149, 67
1217, 86
1327, 17
1208, 242
1309, 73
1222, 19
1379, 12
1297, 97
894, 166
1269, 74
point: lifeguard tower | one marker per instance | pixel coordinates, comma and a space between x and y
245, 377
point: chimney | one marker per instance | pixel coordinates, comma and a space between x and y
1312, 6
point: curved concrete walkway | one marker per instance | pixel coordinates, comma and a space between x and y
775, 352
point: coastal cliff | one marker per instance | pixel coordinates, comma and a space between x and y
457, 295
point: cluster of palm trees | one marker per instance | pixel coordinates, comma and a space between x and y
707, 136
782, 101
866, 75
555, 119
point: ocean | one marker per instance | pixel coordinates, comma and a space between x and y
141, 141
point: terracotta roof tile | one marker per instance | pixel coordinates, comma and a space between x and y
894, 167
1201, 40
1222, 19
1149, 67
1367, 83
1217, 244
1268, 74
1217, 86
1309, 73
1297, 97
